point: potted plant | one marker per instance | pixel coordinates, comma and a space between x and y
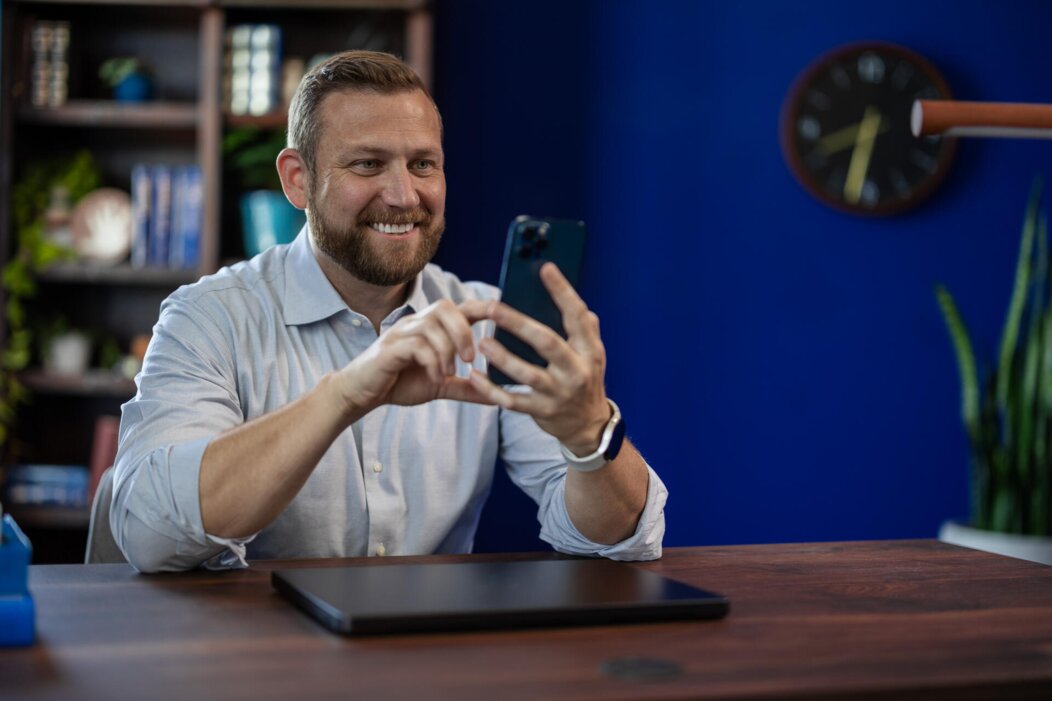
267, 217
1008, 414
35, 252
128, 78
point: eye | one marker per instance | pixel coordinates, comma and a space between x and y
366, 165
423, 164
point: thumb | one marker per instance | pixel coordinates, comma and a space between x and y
461, 390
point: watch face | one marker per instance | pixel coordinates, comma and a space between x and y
846, 129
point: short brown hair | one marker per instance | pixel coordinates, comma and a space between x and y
350, 70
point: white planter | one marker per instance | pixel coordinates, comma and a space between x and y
1025, 547
68, 354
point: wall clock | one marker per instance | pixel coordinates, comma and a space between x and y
845, 129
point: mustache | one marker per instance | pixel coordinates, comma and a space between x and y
377, 215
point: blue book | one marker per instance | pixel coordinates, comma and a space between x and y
141, 190
175, 226
160, 216
187, 199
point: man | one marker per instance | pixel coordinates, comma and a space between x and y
237, 443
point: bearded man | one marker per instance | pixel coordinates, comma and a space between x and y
328, 398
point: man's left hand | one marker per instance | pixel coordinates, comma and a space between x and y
568, 398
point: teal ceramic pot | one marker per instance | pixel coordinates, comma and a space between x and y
135, 87
267, 219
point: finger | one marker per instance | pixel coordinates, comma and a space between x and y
475, 309
524, 373
425, 357
496, 395
548, 344
536, 404
458, 329
570, 304
436, 336
463, 390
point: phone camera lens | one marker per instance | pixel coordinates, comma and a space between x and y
529, 233
541, 243
525, 251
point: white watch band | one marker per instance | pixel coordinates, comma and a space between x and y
598, 459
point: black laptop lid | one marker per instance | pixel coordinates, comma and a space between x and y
392, 598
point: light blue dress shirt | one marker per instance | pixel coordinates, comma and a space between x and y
403, 481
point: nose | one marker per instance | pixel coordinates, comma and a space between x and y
400, 189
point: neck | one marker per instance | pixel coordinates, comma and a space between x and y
376, 302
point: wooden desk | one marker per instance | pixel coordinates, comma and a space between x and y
904, 619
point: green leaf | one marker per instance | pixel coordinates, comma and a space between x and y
15, 359
962, 347
1002, 514
1010, 335
15, 313
17, 279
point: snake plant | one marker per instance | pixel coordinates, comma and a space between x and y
1008, 414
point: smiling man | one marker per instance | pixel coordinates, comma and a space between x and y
328, 398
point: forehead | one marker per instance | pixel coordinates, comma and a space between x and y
363, 118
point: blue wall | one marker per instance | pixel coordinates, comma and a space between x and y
782, 365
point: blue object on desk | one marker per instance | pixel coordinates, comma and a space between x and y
17, 613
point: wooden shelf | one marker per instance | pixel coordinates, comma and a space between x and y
329, 4
94, 383
148, 3
64, 518
108, 113
83, 273
272, 120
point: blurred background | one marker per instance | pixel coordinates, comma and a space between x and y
782, 365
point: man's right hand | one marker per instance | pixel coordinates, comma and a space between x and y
415, 361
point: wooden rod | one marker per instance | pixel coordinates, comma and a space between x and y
997, 119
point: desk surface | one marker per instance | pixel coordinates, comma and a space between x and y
901, 619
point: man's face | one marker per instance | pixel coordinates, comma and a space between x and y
376, 201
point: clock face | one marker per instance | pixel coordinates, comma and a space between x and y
846, 129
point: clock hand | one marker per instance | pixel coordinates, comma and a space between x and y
864, 140
844, 138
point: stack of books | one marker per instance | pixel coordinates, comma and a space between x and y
166, 216
252, 75
49, 84
47, 485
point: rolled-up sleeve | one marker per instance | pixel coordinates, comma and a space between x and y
535, 464
186, 396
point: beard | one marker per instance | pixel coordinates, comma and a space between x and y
381, 262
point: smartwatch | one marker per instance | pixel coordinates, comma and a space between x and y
609, 445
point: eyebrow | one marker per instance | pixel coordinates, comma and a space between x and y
352, 151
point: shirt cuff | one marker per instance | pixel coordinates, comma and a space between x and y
178, 475
644, 544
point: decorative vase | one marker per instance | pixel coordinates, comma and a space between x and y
1025, 547
267, 219
68, 354
134, 87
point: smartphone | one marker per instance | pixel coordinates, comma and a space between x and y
533, 241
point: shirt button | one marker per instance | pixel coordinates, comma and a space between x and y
377, 467
381, 550
356, 322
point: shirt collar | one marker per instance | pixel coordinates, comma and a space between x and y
310, 297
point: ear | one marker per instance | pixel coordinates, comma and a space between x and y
294, 177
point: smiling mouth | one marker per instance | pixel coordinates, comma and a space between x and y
393, 229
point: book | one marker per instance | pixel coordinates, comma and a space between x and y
160, 215
187, 199
103, 450
141, 191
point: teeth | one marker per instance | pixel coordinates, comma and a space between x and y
392, 228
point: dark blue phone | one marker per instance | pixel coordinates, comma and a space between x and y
532, 241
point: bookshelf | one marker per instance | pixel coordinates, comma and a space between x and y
184, 45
